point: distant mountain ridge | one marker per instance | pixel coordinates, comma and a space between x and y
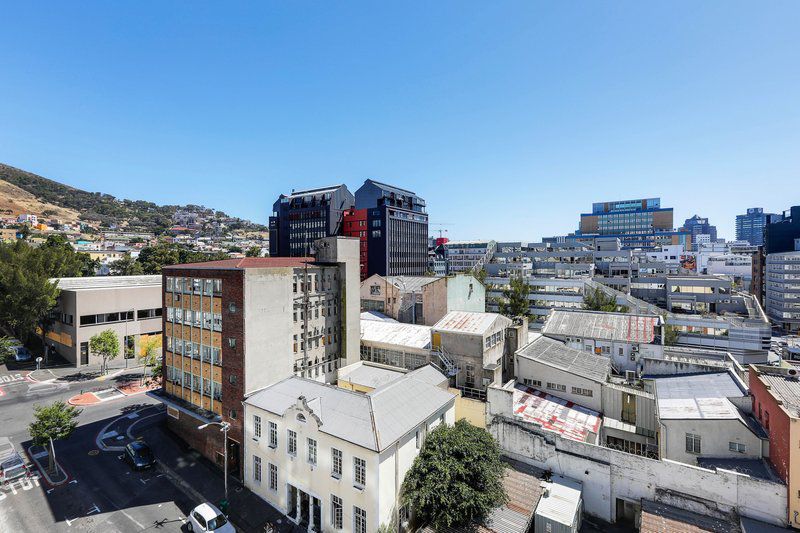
105, 208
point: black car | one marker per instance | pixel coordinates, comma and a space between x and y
139, 455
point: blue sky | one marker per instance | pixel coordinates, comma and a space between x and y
510, 118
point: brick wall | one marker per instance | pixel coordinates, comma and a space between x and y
765, 405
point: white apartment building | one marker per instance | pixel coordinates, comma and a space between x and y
783, 290
335, 459
463, 256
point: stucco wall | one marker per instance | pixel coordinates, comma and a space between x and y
715, 436
534, 370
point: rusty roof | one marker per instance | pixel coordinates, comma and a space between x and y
599, 325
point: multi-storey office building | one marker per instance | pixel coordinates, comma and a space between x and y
128, 305
779, 236
234, 326
465, 256
333, 459
750, 226
300, 218
397, 230
355, 225
640, 223
698, 225
783, 290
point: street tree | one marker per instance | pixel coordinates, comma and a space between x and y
126, 266
6, 352
456, 478
514, 299
51, 423
106, 345
253, 251
150, 353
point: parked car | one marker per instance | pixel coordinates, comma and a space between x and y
206, 517
22, 354
12, 466
139, 455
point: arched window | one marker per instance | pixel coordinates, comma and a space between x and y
301, 417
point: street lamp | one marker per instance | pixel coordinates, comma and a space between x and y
225, 427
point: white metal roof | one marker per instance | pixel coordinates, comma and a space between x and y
375, 315
396, 333
411, 283
556, 354
469, 322
561, 500
597, 325
374, 420
369, 374
107, 282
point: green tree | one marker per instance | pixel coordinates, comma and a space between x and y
106, 345
514, 301
125, 266
597, 300
456, 478
52, 423
253, 251
150, 351
481, 275
670, 336
153, 258
5, 350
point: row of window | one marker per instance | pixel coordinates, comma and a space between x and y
198, 319
204, 286
106, 318
359, 465
195, 350
492, 340
557, 387
196, 383
305, 283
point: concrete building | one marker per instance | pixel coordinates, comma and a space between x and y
697, 225
782, 282
235, 326
574, 375
468, 256
750, 225
300, 218
422, 299
779, 236
623, 338
705, 418
128, 305
397, 237
776, 404
471, 347
335, 459
396, 344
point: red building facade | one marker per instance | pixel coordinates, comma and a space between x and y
354, 224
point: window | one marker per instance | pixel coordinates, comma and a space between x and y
419, 440
257, 469
557, 386
336, 512
291, 444
582, 392
692, 443
738, 447
256, 425
359, 472
273, 435
359, 520
312, 451
336, 463
273, 477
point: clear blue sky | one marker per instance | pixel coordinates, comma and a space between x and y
510, 118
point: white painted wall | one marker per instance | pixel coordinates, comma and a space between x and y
715, 436
527, 368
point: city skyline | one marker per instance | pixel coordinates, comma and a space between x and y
693, 104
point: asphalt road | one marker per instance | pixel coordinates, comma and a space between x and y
103, 494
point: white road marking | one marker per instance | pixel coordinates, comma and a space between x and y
132, 519
94, 509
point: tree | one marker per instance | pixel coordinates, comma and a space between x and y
670, 336
152, 258
456, 478
597, 300
126, 266
480, 275
106, 345
6, 352
150, 351
514, 301
253, 251
52, 423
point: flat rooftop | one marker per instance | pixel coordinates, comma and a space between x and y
468, 322
662, 518
607, 326
247, 262
556, 414
757, 468
369, 374
698, 396
107, 282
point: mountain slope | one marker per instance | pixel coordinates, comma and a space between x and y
104, 208
16, 201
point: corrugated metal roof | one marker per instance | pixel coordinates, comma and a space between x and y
247, 262
662, 518
368, 374
374, 420
785, 389
107, 282
555, 414
560, 501
411, 283
396, 333
698, 396
558, 355
598, 325
375, 315
468, 322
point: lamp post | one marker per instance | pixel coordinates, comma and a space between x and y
225, 427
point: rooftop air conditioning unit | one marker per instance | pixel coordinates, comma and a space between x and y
635, 348
630, 376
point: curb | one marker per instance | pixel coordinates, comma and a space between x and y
99, 440
43, 471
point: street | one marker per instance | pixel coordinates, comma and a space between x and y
102, 493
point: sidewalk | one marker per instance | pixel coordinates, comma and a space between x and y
126, 388
203, 482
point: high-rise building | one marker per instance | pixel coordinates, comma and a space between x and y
355, 225
397, 230
234, 326
640, 223
783, 290
300, 218
698, 225
779, 236
750, 226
